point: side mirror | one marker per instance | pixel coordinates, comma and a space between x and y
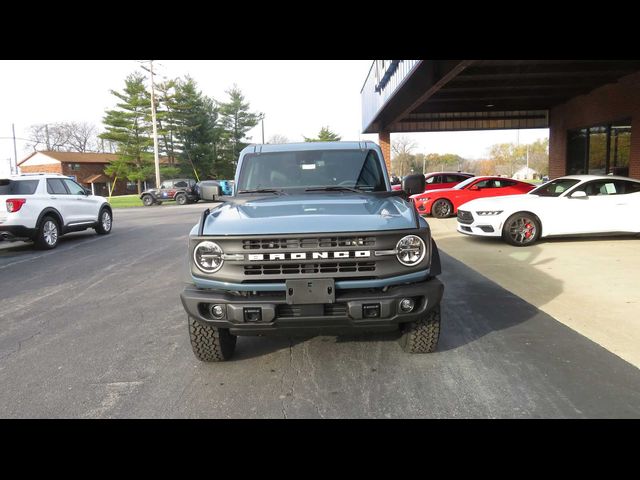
579, 194
209, 190
87, 192
474, 187
413, 184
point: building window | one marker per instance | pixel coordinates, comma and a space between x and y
74, 167
599, 150
132, 186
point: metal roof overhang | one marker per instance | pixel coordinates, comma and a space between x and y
447, 95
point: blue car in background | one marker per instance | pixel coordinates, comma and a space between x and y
226, 186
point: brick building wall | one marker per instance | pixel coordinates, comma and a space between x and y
606, 104
51, 168
86, 170
384, 140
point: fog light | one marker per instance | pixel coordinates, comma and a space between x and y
253, 314
217, 311
406, 305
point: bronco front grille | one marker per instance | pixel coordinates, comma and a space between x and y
465, 217
307, 268
298, 243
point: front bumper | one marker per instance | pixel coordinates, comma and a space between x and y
482, 227
346, 314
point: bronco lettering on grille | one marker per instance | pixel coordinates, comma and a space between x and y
261, 257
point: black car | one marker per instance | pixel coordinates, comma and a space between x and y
182, 190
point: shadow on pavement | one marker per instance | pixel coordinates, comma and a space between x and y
483, 307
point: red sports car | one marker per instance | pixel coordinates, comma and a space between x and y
440, 180
445, 202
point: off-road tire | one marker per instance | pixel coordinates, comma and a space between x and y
40, 238
422, 335
181, 199
103, 227
441, 208
211, 344
147, 200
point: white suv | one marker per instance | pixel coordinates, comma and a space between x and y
41, 207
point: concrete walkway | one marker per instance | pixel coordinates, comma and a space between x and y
592, 285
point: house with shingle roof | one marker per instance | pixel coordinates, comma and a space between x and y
87, 168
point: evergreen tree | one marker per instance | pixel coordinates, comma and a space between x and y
129, 128
197, 132
325, 135
237, 120
167, 120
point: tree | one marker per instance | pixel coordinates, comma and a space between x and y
129, 128
64, 137
325, 135
277, 139
198, 132
436, 162
237, 120
509, 157
402, 160
166, 119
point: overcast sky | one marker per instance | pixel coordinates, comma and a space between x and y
297, 97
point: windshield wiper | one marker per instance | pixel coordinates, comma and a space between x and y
262, 190
334, 188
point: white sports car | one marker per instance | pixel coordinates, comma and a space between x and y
571, 205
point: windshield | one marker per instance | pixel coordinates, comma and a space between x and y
462, 185
355, 169
555, 188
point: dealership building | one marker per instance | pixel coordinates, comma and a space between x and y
591, 107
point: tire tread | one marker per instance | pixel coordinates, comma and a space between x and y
210, 344
422, 335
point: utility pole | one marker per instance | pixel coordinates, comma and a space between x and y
262, 121
155, 127
15, 150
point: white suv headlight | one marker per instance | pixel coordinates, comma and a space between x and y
485, 213
208, 256
410, 250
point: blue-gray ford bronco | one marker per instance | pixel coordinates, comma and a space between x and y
313, 241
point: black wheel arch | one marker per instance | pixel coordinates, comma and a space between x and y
51, 212
107, 206
435, 268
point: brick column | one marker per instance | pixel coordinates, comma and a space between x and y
634, 154
384, 139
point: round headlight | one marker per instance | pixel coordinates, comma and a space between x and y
410, 250
208, 256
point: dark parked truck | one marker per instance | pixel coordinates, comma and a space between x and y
313, 241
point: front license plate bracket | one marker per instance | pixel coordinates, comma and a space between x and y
315, 290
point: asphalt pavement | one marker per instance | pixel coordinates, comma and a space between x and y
95, 329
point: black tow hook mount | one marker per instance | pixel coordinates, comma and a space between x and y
205, 214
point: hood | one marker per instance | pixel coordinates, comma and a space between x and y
310, 213
496, 203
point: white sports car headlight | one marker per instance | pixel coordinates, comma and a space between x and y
208, 256
410, 250
485, 213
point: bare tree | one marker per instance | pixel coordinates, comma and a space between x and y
277, 138
401, 149
403, 145
63, 137
81, 136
